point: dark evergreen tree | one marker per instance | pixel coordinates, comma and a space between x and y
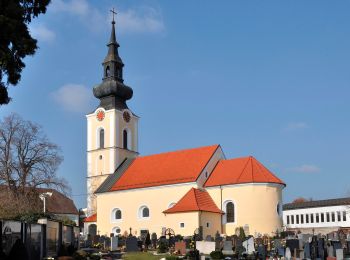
15, 40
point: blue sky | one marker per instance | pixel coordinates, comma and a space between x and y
263, 78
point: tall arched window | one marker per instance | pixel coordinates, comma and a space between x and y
230, 212
125, 139
102, 138
145, 212
118, 214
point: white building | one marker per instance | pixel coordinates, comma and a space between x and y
322, 216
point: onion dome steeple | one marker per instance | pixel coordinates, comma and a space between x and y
112, 92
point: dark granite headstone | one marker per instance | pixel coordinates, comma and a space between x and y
292, 244
261, 252
280, 251
321, 253
209, 238
131, 244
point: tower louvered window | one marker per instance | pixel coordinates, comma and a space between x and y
102, 138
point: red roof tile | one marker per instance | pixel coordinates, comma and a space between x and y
241, 170
166, 168
195, 200
92, 218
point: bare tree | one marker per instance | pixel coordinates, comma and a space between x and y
28, 160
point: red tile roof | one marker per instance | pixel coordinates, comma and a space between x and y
166, 168
92, 218
195, 200
241, 170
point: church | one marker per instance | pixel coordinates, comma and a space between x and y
185, 190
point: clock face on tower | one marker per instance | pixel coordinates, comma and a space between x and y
100, 115
126, 116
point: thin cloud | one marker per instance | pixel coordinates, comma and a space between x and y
294, 126
73, 98
42, 33
141, 20
305, 168
137, 20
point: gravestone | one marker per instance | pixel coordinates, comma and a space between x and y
180, 247
330, 251
131, 244
292, 244
261, 252
259, 241
280, 251
218, 240
301, 254
114, 243
288, 254
339, 254
209, 238
205, 247
321, 253
249, 245
227, 248
314, 247
307, 251
154, 240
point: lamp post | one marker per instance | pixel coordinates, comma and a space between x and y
43, 197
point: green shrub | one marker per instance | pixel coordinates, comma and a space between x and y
216, 255
80, 255
163, 248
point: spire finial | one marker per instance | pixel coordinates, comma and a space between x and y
113, 13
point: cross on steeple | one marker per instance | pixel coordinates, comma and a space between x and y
113, 13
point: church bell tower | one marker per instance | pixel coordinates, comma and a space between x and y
112, 134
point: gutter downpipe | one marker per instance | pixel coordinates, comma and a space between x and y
222, 228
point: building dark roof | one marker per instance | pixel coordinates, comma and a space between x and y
109, 182
58, 203
317, 204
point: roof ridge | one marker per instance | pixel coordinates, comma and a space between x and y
195, 197
243, 169
181, 150
270, 172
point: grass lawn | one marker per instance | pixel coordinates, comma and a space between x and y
142, 256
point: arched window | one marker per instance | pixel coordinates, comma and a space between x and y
108, 71
144, 212
118, 214
125, 139
230, 212
102, 138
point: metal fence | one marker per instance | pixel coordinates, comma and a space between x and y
40, 240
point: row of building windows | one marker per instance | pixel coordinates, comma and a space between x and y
101, 143
143, 212
316, 218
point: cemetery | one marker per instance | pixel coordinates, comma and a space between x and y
284, 245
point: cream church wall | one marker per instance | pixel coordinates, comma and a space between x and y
255, 205
157, 199
190, 220
214, 220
